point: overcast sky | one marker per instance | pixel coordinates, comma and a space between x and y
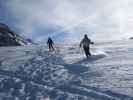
69, 20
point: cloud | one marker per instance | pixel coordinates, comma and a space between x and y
70, 19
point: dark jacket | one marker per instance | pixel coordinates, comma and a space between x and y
85, 42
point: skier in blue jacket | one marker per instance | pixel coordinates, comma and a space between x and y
50, 44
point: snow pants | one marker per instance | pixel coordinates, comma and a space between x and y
87, 51
51, 48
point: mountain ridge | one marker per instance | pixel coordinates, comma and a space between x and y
10, 38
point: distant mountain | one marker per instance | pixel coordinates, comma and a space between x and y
10, 38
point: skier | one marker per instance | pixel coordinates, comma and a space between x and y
50, 44
85, 43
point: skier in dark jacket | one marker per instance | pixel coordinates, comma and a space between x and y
85, 43
50, 44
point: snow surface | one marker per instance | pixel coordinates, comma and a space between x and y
33, 73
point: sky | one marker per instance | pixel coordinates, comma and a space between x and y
69, 20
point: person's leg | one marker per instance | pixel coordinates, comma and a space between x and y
51, 47
86, 52
89, 52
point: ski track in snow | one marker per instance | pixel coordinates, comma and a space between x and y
33, 73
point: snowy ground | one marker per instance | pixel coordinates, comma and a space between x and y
33, 73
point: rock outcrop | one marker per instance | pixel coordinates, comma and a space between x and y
10, 38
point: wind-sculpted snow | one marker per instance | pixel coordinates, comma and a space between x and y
43, 75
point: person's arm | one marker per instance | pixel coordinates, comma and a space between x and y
91, 42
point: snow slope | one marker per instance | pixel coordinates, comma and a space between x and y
33, 73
